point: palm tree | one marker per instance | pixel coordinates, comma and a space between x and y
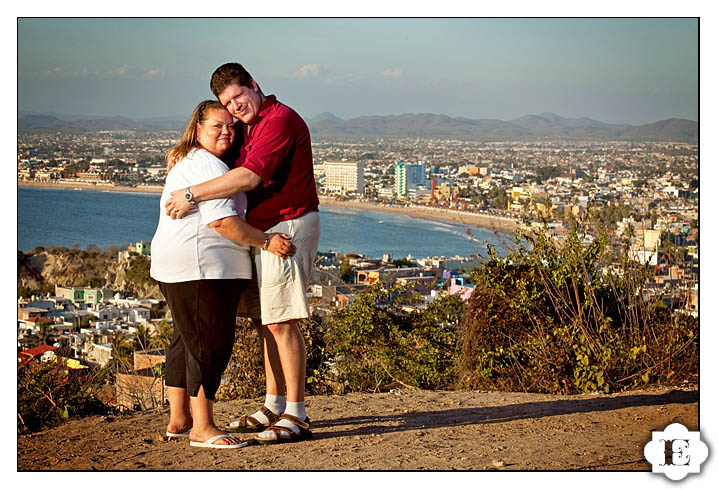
162, 337
142, 338
45, 332
121, 349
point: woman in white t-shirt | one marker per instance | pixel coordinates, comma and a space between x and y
202, 264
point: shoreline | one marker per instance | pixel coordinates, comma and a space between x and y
487, 222
84, 186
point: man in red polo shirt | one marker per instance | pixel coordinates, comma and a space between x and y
275, 169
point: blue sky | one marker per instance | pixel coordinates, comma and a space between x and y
632, 71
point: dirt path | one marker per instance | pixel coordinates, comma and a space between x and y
410, 430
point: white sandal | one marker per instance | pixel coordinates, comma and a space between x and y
177, 435
211, 443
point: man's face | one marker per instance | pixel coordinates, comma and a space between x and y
242, 102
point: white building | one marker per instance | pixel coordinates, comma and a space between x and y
318, 170
385, 192
344, 177
99, 353
643, 256
156, 171
138, 315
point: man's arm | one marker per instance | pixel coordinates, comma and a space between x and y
238, 230
225, 186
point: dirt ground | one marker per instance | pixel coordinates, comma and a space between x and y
407, 430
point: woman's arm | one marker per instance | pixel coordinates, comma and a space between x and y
238, 230
225, 186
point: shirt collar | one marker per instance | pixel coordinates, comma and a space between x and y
266, 106
269, 101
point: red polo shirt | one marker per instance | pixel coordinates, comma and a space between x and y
278, 149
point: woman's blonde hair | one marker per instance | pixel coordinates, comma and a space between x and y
189, 137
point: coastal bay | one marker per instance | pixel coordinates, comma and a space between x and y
485, 221
69, 215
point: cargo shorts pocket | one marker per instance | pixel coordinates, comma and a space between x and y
274, 271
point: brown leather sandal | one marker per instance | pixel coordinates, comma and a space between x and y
278, 430
247, 423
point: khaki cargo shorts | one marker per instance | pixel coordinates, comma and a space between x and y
278, 292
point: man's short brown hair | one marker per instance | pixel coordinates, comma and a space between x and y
228, 74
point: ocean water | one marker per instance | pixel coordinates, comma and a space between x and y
65, 217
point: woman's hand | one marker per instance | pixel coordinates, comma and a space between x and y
177, 206
280, 245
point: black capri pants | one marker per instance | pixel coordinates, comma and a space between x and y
204, 314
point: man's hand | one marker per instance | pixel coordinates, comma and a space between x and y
177, 206
280, 245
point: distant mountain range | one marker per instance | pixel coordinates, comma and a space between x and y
532, 127
327, 125
58, 122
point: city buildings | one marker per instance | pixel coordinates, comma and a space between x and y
646, 188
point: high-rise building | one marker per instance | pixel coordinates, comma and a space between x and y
408, 176
344, 177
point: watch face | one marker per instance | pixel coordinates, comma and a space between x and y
188, 195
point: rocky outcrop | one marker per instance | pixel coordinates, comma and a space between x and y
76, 268
140, 289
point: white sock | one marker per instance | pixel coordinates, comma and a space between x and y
297, 409
275, 403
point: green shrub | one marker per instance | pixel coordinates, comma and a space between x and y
244, 376
568, 317
48, 394
138, 270
375, 344
318, 378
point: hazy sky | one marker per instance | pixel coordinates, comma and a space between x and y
614, 70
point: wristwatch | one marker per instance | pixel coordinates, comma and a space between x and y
266, 241
188, 196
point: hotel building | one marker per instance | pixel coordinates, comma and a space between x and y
344, 177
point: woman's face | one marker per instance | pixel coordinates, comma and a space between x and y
216, 133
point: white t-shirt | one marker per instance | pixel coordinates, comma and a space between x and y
187, 249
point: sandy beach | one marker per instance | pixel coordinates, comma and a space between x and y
154, 189
485, 221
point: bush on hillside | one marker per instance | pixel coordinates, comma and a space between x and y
318, 377
376, 345
48, 394
244, 376
138, 270
557, 317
